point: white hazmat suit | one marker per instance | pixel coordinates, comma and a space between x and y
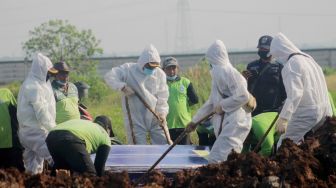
229, 90
153, 89
307, 102
36, 114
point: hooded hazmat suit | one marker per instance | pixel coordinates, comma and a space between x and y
307, 102
153, 89
36, 114
229, 90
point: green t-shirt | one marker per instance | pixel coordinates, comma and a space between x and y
179, 114
260, 124
66, 104
6, 99
93, 134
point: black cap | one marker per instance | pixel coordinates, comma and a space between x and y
265, 42
105, 122
62, 66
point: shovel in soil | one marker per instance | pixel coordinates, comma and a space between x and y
157, 116
178, 139
256, 149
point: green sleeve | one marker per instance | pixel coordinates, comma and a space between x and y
260, 124
332, 104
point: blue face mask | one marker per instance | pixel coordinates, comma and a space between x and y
149, 72
171, 78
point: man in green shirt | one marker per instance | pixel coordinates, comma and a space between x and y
66, 94
70, 144
181, 96
260, 124
10, 147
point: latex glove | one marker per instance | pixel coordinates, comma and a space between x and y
251, 104
281, 125
219, 110
191, 127
127, 91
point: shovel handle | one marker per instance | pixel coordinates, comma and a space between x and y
178, 139
155, 114
266, 133
130, 119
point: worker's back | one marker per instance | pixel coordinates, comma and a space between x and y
93, 134
314, 84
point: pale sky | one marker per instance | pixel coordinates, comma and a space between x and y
127, 26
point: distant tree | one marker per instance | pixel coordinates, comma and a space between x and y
60, 40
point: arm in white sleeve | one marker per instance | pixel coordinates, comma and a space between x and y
162, 97
294, 89
116, 77
41, 108
239, 93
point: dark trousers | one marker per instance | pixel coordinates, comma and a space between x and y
69, 152
11, 157
205, 139
174, 133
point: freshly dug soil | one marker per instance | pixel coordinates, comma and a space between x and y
311, 164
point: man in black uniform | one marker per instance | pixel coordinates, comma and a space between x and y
265, 80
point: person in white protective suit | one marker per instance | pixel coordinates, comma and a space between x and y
149, 81
36, 114
229, 95
307, 102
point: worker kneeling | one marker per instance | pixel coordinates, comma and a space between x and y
71, 143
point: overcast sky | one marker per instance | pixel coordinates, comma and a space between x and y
127, 26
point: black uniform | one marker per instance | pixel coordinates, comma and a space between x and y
266, 86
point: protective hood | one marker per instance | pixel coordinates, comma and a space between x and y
217, 54
282, 47
149, 54
40, 66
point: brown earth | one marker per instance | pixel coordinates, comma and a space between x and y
311, 164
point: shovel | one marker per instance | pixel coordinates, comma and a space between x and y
256, 149
178, 139
130, 119
157, 116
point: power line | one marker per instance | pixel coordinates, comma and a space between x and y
261, 13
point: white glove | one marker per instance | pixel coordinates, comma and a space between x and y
127, 91
281, 125
219, 110
251, 104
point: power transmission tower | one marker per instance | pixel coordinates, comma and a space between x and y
184, 36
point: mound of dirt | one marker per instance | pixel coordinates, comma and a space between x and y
311, 164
